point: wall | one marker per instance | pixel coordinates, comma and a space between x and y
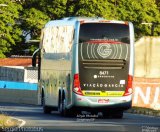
147, 57
19, 85
147, 93
18, 92
12, 73
147, 73
19, 74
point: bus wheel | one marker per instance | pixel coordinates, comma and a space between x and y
42, 98
46, 109
60, 107
65, 112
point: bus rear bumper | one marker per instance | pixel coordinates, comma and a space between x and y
86, 102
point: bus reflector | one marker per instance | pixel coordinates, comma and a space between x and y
129, 88
76, 85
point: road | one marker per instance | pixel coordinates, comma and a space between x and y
37, 121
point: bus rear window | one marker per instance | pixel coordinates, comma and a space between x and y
111, 32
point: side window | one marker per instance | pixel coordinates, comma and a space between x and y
58, 41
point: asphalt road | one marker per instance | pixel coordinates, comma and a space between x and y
35, 120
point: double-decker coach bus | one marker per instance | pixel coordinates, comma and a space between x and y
86, 64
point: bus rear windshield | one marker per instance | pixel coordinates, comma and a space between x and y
111, 32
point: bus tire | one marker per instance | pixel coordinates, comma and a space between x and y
60, 103
42, 98
46, 109
60, 108
66, 112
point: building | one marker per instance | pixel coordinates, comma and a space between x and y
18, 69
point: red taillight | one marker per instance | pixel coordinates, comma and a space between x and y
129, 88
76, 85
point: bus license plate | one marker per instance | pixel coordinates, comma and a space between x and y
103, 100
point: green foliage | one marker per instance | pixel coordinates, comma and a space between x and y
139, 12
55, 9
89, 8
10, 32
18, 19
33, 21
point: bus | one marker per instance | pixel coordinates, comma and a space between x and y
86, 64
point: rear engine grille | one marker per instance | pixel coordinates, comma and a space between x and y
104, 64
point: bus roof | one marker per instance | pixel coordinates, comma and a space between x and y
72, 20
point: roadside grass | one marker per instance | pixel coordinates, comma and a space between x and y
144, 111
5, 121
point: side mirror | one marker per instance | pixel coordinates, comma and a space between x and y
34, 57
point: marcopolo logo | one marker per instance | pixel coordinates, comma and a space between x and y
104, 50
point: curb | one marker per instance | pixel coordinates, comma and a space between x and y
144, 111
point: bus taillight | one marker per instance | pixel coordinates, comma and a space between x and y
129, 88
76, 85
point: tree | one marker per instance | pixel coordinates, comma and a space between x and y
22, 17
139, 12
10, 32
55, 9
33, 21
158, 4
89, 8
